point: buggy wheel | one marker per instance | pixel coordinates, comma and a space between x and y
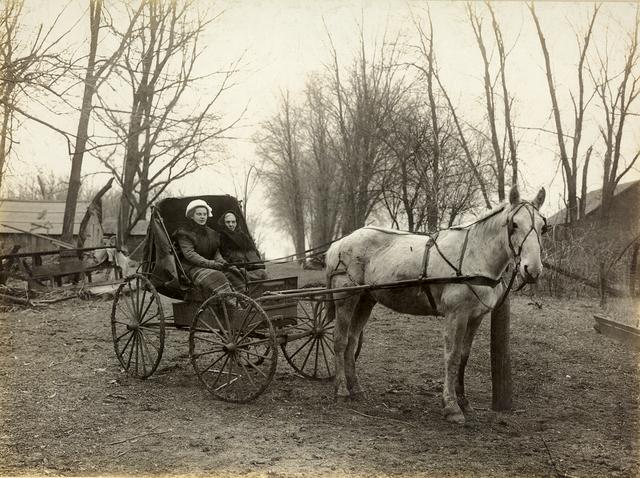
312, 355
233, 347
137, 326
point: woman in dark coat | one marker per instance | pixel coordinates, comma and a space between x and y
238, 248
200, 250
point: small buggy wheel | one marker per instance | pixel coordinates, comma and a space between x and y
233, 347
312, 355
137, 326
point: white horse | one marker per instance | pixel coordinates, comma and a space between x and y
468, 263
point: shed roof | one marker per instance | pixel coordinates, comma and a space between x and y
593, 202
41, 217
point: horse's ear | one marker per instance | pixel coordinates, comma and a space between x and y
514, 196
539, 200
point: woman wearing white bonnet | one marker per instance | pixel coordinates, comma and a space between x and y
200, 251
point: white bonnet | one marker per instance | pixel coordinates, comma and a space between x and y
198, 203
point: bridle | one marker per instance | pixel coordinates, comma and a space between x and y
512, 226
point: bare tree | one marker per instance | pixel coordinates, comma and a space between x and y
163, 139
617, 91
244, 185
361, 105
280, 145
94, 73
570, 165
501, 160
322, 168
28, 66
446, 138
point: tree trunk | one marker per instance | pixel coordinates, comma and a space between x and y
83, 125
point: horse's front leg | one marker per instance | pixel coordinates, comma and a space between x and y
455, 330
472, 327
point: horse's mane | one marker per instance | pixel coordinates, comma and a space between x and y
389, 231
484, 217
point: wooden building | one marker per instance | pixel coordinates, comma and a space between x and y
20, 217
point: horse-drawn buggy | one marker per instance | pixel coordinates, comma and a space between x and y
234, 336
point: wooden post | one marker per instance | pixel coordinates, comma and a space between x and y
633, 270
602, 279
502, 387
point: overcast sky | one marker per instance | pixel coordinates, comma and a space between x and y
281, 41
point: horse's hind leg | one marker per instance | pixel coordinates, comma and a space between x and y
455, 331
472, 327
344, 309
360, 317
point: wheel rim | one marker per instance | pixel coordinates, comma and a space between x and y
233, 347
137, 326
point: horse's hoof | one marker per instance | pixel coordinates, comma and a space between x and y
341, 396
454, 415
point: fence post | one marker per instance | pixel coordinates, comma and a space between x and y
502, 387
603, 285
633, 270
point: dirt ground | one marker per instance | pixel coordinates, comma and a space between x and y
67, 409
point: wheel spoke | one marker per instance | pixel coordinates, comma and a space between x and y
132, 314
255, 354
215, 316
247, 374
120, 337
304, 309
133, 345
304, 364
209, 352
225, 314
204, 339
231, 362
324, 354
225, 356
127, 313
301, 347
134, 298
157, 314
219, 372
153, 328
141, 302
144, 352
255, 327
254, 366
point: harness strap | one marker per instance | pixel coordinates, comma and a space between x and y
425, 264
427, 249
464, 248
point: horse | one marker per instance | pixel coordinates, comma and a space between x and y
462, 269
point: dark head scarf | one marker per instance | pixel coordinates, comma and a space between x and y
236, 240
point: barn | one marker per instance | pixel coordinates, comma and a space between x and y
593, 251
624, 216
21, 219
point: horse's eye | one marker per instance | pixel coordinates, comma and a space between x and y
514, 225
544, 229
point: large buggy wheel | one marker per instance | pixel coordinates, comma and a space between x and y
233, 347
137, 326
312, 356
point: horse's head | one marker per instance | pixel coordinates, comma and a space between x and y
525, 225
